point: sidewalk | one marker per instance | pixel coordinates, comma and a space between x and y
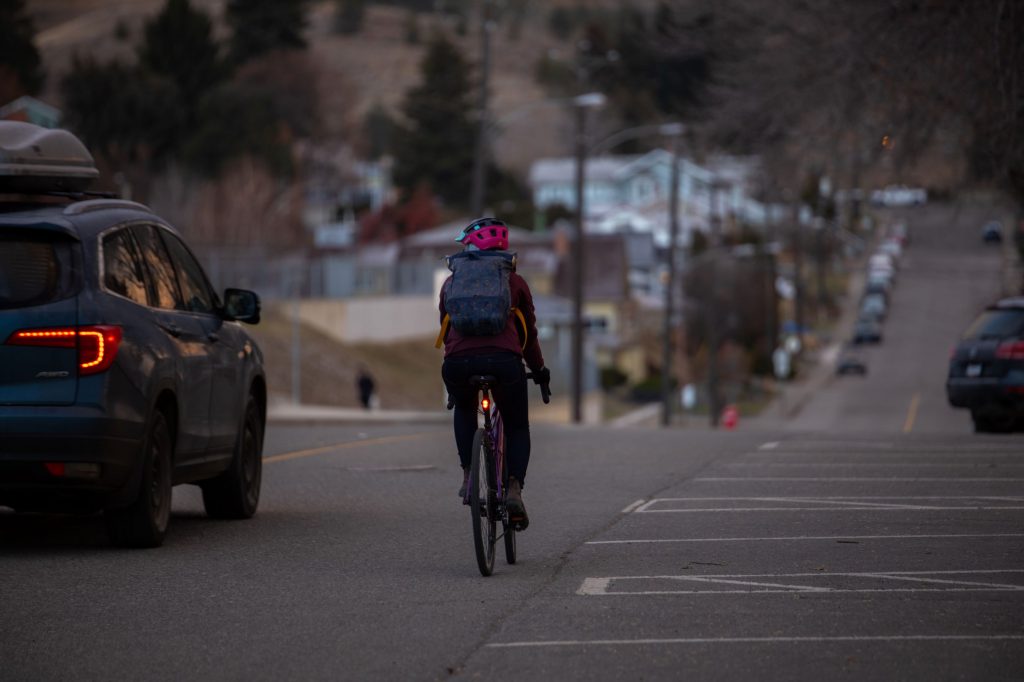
292, 413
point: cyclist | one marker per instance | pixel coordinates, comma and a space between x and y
501, 356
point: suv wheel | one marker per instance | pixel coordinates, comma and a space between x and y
144, 522
235, 494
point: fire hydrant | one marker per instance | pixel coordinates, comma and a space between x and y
730, 417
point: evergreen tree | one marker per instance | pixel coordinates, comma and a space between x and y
179, 46
262, 26
437, 145
21, 69
121, 112
348, 16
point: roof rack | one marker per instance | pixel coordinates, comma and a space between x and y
37, 160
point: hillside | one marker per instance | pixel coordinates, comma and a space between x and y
408, 374
356, 73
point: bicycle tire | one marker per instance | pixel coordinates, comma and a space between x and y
508, 529
481, 506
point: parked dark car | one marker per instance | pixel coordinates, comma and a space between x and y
122, 372
992, 233
867, 330
986, 369
851, 362
874, 305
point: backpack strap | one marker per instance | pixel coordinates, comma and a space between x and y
522, 320
445, 323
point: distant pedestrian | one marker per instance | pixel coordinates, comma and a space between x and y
366, 386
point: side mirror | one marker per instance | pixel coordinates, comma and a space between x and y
242, 305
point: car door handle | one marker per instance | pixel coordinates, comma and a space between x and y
172, 329
214, 337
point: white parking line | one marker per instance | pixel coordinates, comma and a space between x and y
801, 538
769, 446
833, 503
777, 583
974, 464
633, 507
756, 640
840, 479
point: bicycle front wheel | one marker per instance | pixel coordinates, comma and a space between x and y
482, 505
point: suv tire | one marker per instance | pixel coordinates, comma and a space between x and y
235, 494
144, 522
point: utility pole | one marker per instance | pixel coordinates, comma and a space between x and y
577, 272
581, 103
711, 306
798, 266
675, 131
480, 158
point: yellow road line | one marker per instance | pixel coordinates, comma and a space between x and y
915, 402
347, 445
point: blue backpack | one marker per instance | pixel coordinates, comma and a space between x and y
478, 297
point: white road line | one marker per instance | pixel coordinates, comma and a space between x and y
769, 446
944, 454
592, 587
839, 479
974, 464
633, 507
800, 538
755, 640
1011, 498
825, 509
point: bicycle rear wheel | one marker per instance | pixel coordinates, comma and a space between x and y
508, 528
482, 505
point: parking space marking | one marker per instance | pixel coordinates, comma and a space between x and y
755, 640
787, 583
848, 479
769, 446
802, 538
831, 503
973, 464
633, 507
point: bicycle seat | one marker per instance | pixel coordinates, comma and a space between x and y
482, 379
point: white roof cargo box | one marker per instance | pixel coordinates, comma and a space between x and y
37, 159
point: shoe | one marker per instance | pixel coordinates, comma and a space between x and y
464, 490
514, 504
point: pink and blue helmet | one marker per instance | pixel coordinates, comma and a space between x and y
485, 234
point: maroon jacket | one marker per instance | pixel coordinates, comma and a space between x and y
455, 344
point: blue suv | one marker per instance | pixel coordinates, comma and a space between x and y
122, 372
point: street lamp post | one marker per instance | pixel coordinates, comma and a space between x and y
582, 103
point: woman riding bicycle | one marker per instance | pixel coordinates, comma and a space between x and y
499, 355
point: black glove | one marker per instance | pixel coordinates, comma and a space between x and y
542, 376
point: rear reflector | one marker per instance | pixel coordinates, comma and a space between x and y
74, 469
97, 344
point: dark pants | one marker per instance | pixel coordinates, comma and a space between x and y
509, 395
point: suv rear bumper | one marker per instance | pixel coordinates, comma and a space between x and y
33, 437
985, 393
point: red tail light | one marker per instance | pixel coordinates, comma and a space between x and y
1012, 350
97, 345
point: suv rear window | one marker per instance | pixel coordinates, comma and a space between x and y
997, 324
35, 268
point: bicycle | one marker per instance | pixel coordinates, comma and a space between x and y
488, 480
